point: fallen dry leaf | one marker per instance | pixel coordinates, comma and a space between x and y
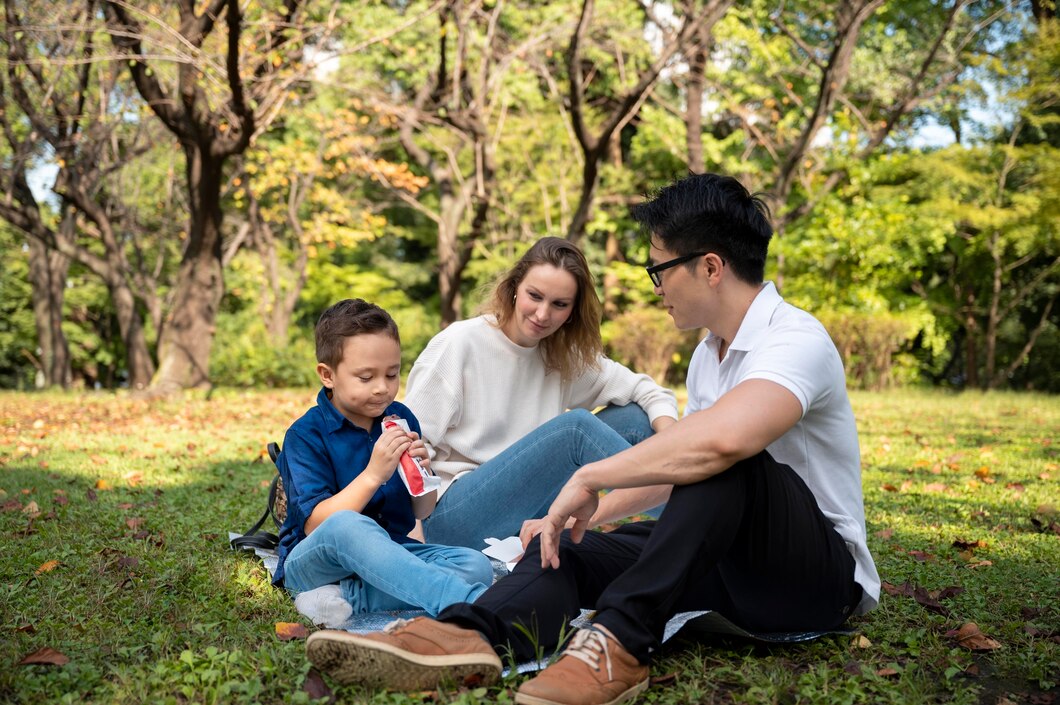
925, 600
885, 533
887, 672
134, 523
862, 642
45, 657
903, 590
935, 487
287, 631
46, 567
31, 508
947, 592
962, 545
315, 686
970, 637
102, 484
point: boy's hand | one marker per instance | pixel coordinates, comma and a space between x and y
386, 453
419, 451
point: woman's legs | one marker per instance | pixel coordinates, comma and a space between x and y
632, 424
377, 573
628, 421
521, 482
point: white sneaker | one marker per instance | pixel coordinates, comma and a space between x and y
324, 606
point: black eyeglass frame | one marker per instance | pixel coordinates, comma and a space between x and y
655, 270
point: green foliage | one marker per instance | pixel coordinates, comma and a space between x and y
904, 250
873, 345
645, 340
330, 282
18, 335
245, 355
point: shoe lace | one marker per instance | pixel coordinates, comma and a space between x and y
587, 646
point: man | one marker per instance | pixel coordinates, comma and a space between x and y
765, 522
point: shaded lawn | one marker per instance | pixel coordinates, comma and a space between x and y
114, 514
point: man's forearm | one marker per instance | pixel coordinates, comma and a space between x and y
619, 504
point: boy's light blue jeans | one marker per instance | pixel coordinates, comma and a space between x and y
375, 573
521, 482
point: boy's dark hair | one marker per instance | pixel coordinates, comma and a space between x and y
710, 213
346, 319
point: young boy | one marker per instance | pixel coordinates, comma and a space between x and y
348, 512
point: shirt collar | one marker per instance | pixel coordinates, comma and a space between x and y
756, 320
333, 418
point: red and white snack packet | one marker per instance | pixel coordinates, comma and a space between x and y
418, 480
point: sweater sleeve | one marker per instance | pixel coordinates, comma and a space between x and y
430, 395
612, 383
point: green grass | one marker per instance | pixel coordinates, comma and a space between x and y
134, 500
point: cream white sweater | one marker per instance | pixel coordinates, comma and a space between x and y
475, 393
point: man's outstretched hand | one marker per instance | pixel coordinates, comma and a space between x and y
575, 501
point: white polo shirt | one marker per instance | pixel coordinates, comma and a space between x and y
786, 345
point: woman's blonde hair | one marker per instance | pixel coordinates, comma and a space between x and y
576, 346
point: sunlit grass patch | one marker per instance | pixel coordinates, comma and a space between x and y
115, 515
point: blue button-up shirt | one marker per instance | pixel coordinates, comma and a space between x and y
322, 453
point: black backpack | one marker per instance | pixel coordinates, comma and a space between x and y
256, 537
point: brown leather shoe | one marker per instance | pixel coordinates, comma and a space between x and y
407, 655
594, 670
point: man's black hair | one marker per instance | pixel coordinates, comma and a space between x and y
710, 213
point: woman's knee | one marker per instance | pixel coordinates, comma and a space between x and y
476, 567
577, 419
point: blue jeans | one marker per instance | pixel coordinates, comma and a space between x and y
520, 483
378, 574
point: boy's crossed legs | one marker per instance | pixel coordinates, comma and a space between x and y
377, 574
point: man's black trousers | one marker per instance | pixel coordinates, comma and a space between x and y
749, 543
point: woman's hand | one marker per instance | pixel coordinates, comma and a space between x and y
418, 450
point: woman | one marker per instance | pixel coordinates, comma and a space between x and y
492, 395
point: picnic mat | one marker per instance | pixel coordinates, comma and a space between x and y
688, 624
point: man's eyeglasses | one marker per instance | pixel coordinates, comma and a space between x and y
656, 270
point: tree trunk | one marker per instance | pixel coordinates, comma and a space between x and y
187, 333
694, 108
971, 345
451, 212
590, 180
47, 274
130, 325
993, 317
612, 253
